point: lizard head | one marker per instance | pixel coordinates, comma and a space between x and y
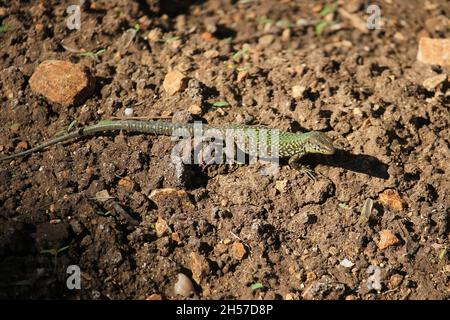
318, 142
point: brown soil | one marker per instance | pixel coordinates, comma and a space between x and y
364, 90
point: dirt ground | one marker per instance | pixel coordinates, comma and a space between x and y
236, 233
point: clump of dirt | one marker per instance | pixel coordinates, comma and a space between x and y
236, 232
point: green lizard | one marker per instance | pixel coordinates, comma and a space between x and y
290, 145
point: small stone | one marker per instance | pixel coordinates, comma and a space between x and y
128, 112
102, 196
227, 241
392, 199
210, 54
297, 91
175, 236
39, 27
266, 40
387, 239
434, 51
286, 35
23, 145
346, 263
395, 281
183, 286
161, 227
195, 109
199, 267
281, 185
3, 12
220, 249
154, 296
437, 24
62, 82
174, 82
351, 297
242, 75
311, 276
207, 36
238, 250
154, 35
432, 83
126, 182
55, 221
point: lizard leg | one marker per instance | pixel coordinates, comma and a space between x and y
294, 163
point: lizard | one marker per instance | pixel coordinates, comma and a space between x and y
290, 145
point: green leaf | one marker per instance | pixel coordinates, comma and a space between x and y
343, 205
327, 10
71, 125
257, 286
3, 28
239, 53
320, 27
221, 104
137, 27
14, 126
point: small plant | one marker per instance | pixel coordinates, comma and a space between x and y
54, 252
320, 27
256, 286
92, 54
221, 104
240, 53
3, 28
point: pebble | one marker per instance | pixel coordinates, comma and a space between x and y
374, 280
183, 286
432, 83
392, 199
128, 112
281, 185
154, 35
434, 51
395, 281
195, 109
297, 91
199, 267
210, 54
22, 145
174, 82
154, 296
266, 40
346, 263
62, 82
238, 250
161, 227
387, 239
286, 35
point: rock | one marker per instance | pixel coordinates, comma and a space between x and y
174, 82
434, 51
161, 227
374, 280
128, 112
207, 36
286, 35
62, 82
387, 239
281, 185
195, 109
210, 54
183, 286
266, 40
392, 199
297, 91
154, 296
199, 267
346, 263
154, 35
437, 24
395, 281
126, 183
238, 250
23, 145
432, 83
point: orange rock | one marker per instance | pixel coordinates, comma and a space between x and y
199, 267
387, 239
154, 296
126, 183
161, 227
175, 237
238, 250
434, 51
207, 36
174, 82
62, 82
22, 145
392, 199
